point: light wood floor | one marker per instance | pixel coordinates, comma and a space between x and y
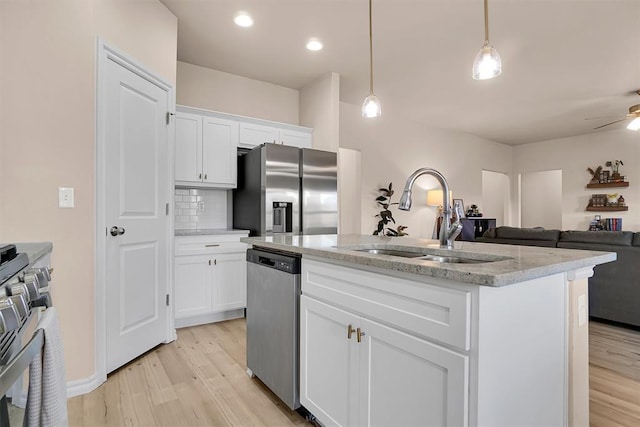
200, 380
614, 375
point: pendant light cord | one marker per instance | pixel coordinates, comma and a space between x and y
371, 50
486, 21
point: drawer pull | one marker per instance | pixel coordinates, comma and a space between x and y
211, 246
350, 331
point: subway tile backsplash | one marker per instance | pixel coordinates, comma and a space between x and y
200, 208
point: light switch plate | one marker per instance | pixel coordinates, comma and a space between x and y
65, 197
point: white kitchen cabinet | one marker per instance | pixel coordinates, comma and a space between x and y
206, 150
355, 371
210, 279
193, 286
252, 135
433, 351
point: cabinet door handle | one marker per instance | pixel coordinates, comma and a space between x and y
350, 331
199, 176
213, 245
205, 176
359, 334
215, 262
209, 262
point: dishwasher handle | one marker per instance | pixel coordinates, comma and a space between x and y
266, 261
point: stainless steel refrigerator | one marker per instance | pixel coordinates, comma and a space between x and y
284, 189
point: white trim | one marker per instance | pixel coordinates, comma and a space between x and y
582, 273
209, 318
83, 386
104, 53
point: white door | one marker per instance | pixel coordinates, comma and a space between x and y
193, 285
406, 381
137, 189
188, 153
229, 281
328, 363
219, 151
294, 138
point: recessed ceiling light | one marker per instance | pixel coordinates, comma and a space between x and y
243, 19
314, 44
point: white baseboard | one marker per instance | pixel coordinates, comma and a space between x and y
209, 318
84, 385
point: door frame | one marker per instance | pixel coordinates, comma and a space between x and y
105, 53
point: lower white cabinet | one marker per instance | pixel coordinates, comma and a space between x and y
401, 349
210, 279
355, 371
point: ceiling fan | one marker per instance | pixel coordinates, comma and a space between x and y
634, 113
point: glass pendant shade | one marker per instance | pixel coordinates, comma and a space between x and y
487, 64
371, 107
635, 124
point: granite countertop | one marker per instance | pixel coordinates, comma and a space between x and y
208, 231
34, 250
509, 263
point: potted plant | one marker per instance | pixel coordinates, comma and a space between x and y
386, 216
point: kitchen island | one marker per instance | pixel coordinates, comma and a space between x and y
396, 331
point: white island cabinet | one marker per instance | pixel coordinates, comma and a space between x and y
210, 278
381, 350
498, 338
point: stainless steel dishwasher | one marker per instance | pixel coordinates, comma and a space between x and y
273, 313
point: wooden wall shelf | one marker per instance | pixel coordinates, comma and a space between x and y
608, 184
607, 208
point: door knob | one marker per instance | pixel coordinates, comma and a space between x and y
116, 231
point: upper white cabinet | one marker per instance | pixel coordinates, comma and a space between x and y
205, 154
252, 134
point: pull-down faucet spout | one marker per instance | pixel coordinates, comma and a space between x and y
448, 231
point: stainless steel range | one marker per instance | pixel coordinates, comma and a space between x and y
21, 290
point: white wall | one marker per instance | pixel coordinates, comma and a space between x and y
320, 110
541, 199
47, 100
218, 91
392, 148
573, 156
349, 191
496, 197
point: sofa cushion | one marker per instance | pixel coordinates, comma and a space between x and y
617, 238
490, 233
636, 239
527, 233
523, 242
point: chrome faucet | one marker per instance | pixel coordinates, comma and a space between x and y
448, 231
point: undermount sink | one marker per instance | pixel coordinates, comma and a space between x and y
392, 252
423, 254
452, 259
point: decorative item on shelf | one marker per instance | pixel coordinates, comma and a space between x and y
612, 199
595, 175
385, 215
620, 201
474, 212
615, 166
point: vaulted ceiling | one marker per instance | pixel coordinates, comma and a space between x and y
564, 61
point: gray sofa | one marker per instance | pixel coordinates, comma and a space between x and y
614, 289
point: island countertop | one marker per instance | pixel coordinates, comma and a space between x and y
508, 264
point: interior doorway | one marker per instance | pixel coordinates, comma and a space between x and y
541, 199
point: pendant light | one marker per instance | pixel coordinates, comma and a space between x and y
487, 64
371, 106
